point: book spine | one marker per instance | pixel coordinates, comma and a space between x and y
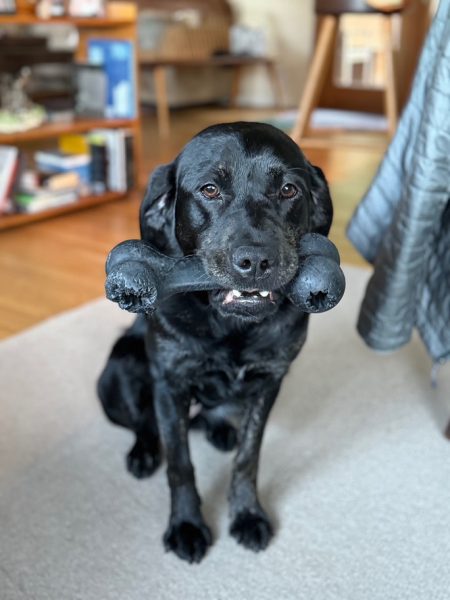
129, 160
99, 164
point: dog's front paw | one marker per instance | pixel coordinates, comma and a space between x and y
252, 529
189, 541
143, 459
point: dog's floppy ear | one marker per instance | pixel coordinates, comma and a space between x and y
322, 208
157, 213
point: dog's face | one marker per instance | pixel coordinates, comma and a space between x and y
240, 196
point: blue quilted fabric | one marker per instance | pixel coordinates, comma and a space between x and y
402, 224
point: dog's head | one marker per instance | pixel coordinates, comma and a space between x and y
240, 196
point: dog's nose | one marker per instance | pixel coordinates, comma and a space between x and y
253, 262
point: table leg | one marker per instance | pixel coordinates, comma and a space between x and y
162, 103
235, 85
275, 82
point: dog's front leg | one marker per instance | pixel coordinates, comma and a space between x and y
187, 534
250, 525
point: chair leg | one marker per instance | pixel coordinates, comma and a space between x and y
275, 82
390, 93
317, 73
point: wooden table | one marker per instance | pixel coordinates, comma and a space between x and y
236, 63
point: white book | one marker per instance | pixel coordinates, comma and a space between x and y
8, 162
47, 201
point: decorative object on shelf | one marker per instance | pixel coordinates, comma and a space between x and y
91, 95
52, 84
117, 59
47, 9
7, 7
87, 8
18, 112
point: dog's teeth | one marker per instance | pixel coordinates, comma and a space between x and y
264, 294
236, 293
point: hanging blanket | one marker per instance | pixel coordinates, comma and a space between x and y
402, 225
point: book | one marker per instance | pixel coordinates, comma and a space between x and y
92, 88
114, 142
33, 202
59, 162
99, 163
55, 182
117, 59
73, 143
129, 159
9, 159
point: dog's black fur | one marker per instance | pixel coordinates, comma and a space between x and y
239, 195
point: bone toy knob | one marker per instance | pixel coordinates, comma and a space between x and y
320, 282
139, 277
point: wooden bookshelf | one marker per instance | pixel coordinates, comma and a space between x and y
120, 22
17, 219
30, 19
52, 130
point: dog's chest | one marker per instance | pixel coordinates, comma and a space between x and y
232, 373
217, 384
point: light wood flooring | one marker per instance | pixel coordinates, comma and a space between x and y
49, 267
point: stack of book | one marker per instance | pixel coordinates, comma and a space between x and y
95, 163
111, 152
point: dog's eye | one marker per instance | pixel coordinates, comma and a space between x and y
289, 190
210, 191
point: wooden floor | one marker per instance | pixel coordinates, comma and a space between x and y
58, 264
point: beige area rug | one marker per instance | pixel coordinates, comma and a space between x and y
355, 473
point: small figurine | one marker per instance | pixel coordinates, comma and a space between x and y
17, 111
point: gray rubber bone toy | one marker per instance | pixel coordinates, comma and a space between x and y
139, 278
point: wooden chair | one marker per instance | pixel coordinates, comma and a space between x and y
329, 13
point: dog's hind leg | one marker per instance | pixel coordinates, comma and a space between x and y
125, 392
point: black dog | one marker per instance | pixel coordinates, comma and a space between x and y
239, 196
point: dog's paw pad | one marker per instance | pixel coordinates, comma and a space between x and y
190, 542
253, 531
142, 460
223, 437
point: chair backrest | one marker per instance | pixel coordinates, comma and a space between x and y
208, 8
339, 7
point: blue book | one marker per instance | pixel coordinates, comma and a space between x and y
117, 59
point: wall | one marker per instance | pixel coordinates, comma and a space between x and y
290, 25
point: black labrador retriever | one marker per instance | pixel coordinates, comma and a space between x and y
239, 195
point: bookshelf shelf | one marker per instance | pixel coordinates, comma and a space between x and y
120, 22
51, 130
118, 14
29, 19
15, 220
